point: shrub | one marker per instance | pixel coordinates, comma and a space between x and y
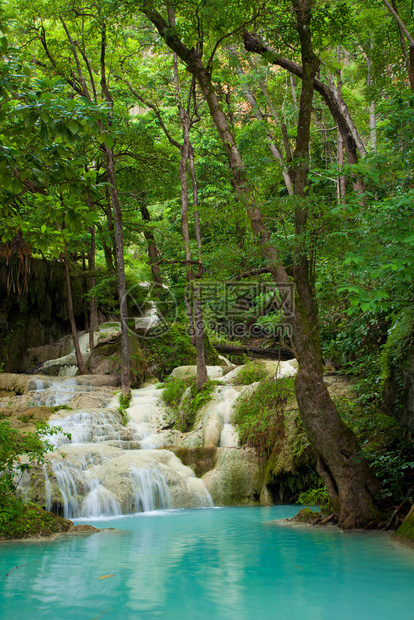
260, 416
169, 350
174, 390
315, 497
252, 372
184, 398
14, 445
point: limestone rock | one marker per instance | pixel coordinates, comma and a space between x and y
194, 439
405, 533
201, 460
266, 498
273, 369
229, 437
237, 478
212, 430
18, 384
182, 372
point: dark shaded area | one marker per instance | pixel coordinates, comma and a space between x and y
36, 314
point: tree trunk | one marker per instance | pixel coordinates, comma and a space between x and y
195, 313
338, 110
120, 268
93, 311
340, 142
153, 252
79, 359
372, 119
202, 376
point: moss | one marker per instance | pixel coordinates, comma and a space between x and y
252, 372
26, 417
184, 399
405, 533
201, 460
33, 521
172, 349
306, 515
268, 420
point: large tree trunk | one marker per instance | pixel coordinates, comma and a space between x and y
119, 235
352, 481
79, 358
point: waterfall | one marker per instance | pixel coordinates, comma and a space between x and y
100, 467
150, 490
53, 392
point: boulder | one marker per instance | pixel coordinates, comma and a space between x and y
229, 437
183, 372
14, 383
237, 478
273, 369
212, 430
201, 460
405, 533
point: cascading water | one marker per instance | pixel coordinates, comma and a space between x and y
99, 467
150, 490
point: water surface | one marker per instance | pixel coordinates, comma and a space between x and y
226, 563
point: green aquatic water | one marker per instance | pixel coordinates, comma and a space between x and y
226, 563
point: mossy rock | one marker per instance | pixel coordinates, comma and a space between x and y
405, 533
174, 348
306, 515
237, 478
201, 460
33, 522
13, 383
26, 418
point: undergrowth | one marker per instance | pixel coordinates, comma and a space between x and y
252, 372
124, 402
260, 416
316, 497
267, 422
184, 399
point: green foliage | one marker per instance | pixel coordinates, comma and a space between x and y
315, 497
19, 452
252, 372
170, 350
260, 416
173, 349
192, 401
185, 399
124, 403
19, 520
174, 389
389, 452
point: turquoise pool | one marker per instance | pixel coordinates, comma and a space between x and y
215, 563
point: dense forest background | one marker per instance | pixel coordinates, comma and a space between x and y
115, 162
